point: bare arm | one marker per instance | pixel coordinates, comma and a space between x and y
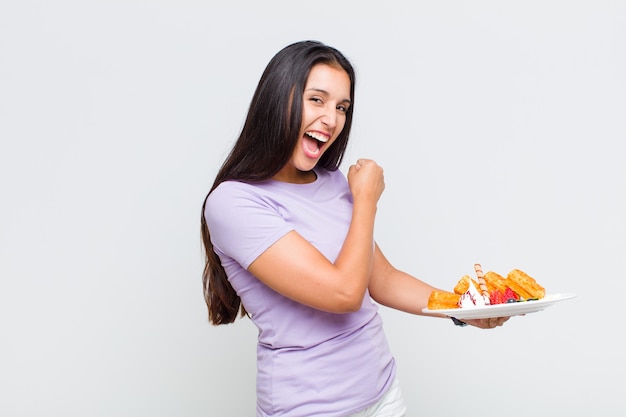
396, 289
401, 291
296, 269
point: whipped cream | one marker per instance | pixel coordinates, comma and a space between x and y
472, 297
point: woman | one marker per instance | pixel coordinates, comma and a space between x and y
290, 242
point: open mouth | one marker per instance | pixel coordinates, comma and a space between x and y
317, 136
313, 142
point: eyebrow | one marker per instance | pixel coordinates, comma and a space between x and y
319, 90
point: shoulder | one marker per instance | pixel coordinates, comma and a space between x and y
231, 196
243, 219
335, 177
232, 191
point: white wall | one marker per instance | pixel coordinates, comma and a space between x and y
500, 126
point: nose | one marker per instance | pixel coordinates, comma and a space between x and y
329, 118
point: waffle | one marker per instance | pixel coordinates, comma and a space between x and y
495, 281
518, 281
439, 300
524, 285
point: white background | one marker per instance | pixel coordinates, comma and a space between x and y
501, 128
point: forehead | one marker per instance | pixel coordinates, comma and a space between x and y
329, 78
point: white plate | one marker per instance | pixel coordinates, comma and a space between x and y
503, 310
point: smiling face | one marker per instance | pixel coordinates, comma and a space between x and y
326, 99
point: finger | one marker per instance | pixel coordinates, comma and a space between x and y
499, 321
488, 323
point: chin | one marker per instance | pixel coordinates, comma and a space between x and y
306, 168
307, 164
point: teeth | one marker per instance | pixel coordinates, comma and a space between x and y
317, 136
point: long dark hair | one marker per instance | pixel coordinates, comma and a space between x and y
267, 140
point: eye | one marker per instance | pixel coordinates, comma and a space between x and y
342, 108
316, 100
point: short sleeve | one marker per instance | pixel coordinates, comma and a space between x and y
242, 223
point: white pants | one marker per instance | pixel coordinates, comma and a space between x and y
391, 405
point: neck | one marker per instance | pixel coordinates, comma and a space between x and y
295, 176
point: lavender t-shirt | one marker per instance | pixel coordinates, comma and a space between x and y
309, 362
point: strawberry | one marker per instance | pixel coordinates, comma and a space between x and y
496, 297
509, 294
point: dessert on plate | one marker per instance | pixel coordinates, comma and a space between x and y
489, 289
